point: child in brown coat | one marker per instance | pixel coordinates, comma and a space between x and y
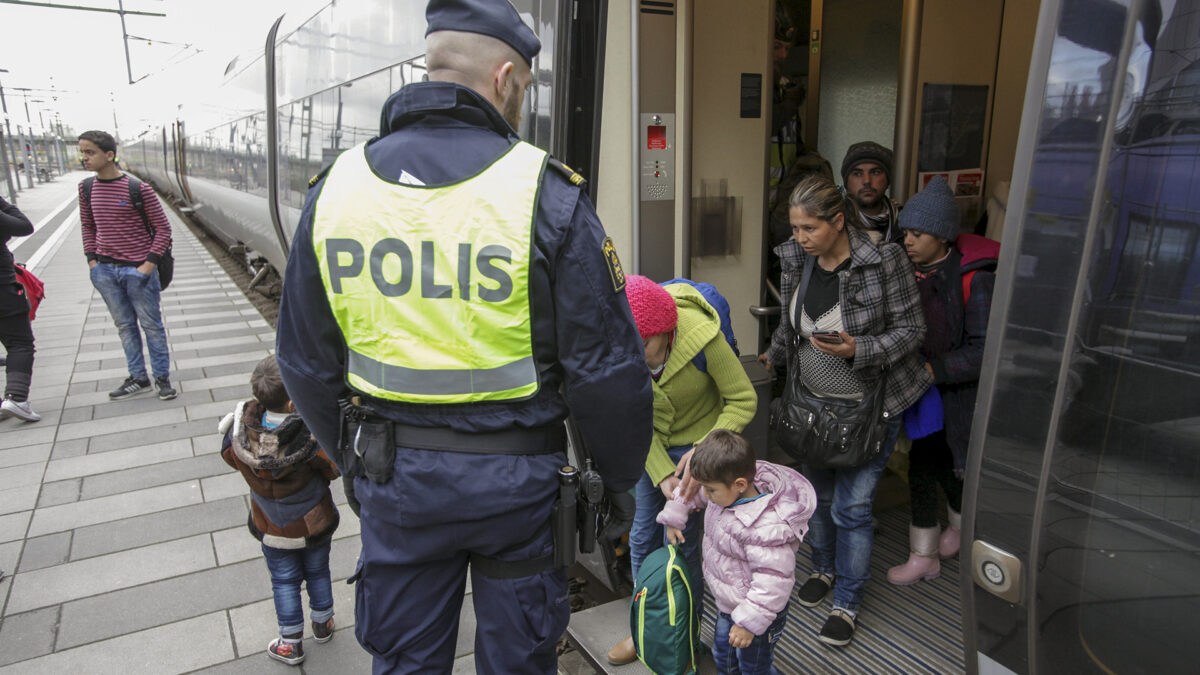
291, 508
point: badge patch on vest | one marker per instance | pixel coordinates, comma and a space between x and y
614, 264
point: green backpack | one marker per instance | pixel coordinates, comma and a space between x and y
662, 618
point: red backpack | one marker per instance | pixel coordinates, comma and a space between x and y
35, 290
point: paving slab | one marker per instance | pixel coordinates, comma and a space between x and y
45, 551
21, 498
25, 636
60, 492
27, 436
94, 576
10, 553
34, 454
146, 420
24, 474
151, 475
154, 528
14, 526
72, 448
163, 602
224, 486
114, 507
148, 435
175, 648
89, 465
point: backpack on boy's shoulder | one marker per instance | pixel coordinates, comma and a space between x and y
166, 265
662, 618
718, 302
35, 290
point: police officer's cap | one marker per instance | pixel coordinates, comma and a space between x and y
495, 18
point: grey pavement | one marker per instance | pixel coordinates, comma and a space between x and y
122, 532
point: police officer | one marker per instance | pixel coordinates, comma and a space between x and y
458, 285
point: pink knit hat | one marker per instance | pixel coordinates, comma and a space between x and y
653, 307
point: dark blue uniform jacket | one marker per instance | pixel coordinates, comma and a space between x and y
590, 357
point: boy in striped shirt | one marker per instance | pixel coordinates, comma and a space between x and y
123, 257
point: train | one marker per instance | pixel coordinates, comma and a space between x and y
1082, 515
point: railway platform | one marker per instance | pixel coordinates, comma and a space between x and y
122, 532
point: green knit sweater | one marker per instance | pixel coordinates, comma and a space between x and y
688, 403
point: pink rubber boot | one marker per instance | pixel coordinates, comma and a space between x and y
948, 544
922, 561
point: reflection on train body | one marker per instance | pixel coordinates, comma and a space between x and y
1090, 463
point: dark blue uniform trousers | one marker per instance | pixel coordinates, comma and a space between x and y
411, 579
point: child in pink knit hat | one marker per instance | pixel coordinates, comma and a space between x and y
677, 324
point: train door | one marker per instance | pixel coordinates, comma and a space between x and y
1082, 517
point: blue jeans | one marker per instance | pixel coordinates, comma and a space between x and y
841, 532
133, 299
290, 566
757, 659
647, 536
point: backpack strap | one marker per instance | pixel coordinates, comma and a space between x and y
139, 203
966, 285
87, 189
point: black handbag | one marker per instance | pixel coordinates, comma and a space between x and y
827, 433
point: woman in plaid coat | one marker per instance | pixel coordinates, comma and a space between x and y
860, 320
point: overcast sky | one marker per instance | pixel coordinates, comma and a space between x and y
73, 59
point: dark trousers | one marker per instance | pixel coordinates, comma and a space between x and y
930, 464
17, 337
418, 531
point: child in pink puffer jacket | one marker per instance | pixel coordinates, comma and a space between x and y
757, 513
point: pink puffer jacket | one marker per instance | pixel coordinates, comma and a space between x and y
750, 549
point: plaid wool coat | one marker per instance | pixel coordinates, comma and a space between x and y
881, 310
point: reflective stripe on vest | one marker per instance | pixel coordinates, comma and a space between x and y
430, 286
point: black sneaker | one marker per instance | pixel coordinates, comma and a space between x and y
813, 592
323, 632
165, 391
131, 387
838, 629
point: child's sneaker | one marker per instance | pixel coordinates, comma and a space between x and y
323, 632
291, 653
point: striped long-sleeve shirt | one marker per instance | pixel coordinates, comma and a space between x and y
113, 231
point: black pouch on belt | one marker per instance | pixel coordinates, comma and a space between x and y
375, 445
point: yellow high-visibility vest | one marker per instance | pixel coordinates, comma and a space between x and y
430, 285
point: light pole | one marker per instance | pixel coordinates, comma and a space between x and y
5, 147
31, 166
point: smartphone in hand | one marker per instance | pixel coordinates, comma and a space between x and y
829, 336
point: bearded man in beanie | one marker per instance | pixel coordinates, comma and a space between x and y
449, 299
955, 277
866, 175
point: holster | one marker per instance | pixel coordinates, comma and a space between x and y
367, 445
564, 522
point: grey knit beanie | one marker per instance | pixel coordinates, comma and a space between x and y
932, 210
867, 151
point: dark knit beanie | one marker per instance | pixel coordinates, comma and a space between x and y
653, 307
867, 151
932, 210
